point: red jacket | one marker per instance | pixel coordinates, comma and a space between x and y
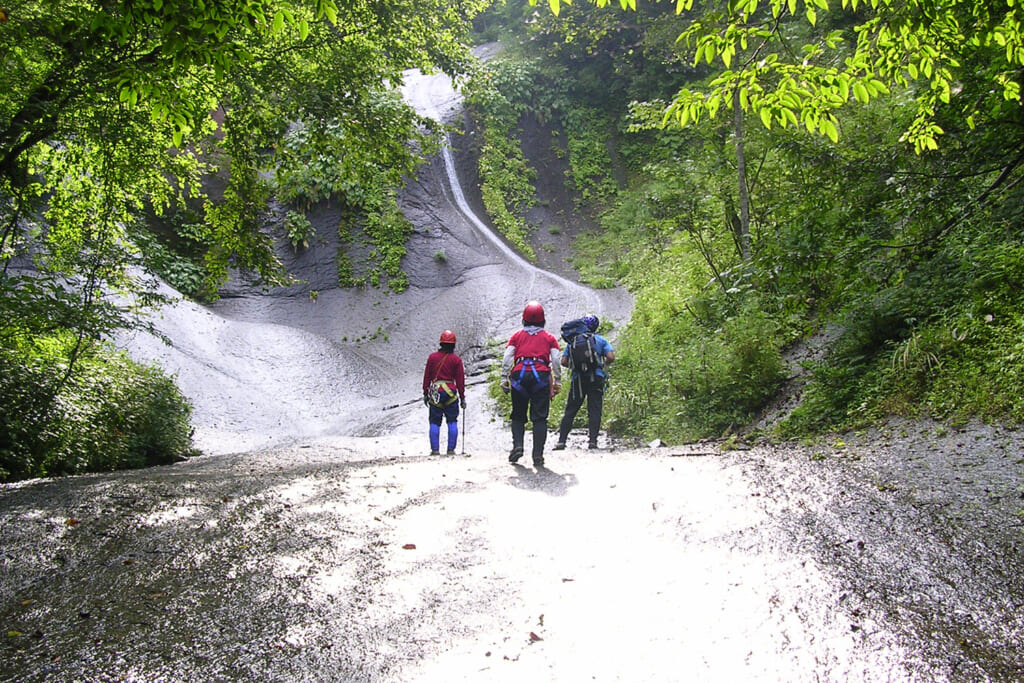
445, 366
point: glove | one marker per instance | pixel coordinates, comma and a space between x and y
463, 403
426, 401
505, 386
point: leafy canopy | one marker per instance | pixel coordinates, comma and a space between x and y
128, 127
788, 75
114, 110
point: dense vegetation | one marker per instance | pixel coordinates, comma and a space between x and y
150, 136
794, 171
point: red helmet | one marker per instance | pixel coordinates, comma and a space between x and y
533, 314
447, 337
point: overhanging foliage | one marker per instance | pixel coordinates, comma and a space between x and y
118, 111
796, 62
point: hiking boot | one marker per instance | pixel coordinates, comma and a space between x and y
593, 446
538, 462
435, 452
560, 446
451, 452
514, 456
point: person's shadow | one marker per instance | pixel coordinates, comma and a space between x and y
542, 479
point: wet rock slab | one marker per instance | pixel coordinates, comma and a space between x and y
890, 556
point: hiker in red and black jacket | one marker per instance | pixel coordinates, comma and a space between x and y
444, 390
530, 370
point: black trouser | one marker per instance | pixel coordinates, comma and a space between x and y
533, 395
589, 388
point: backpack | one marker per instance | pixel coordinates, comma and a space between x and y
573, 327
583, 356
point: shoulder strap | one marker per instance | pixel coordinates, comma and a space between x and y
440, 365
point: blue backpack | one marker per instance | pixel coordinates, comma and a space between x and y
574, 327
583, 356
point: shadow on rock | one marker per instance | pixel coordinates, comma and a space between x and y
543, 480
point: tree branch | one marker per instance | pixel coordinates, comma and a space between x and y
980, 201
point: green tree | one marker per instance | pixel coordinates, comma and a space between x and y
116, 111
879, 147
787, 75
175, 85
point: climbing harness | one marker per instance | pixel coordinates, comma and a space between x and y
528, 364
441, 393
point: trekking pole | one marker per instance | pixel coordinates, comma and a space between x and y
465, 429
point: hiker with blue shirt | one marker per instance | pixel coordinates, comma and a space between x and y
587, 354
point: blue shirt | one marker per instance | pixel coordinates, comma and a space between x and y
602, 347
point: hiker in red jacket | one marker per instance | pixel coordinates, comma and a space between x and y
444, 391
530, 370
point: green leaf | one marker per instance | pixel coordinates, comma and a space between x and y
709, 52
331, 11
860, 92
684, 117
555, 6
944, 89
766, 118
713, 103
828, 127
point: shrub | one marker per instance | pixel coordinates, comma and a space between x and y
112, 413
298, 229
681, 380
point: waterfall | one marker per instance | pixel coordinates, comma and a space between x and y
434, 96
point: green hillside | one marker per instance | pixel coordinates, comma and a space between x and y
762, 176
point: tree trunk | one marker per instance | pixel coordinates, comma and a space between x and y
741, 172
